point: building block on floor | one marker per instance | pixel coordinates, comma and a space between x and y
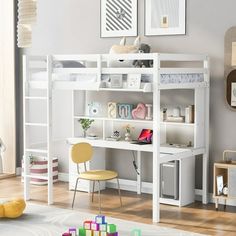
113, 234
66, 234
73, 231
136, 232
100, 219
111, 228
89, 232
87, 224
103, 227
95, 226
82, 232
96, 233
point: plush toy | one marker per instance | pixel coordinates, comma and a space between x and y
12, 208
123, 48
144, 48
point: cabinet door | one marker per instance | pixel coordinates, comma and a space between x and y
232, 182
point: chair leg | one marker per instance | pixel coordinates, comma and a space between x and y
99, 192
118, 183
75, 192
93, 190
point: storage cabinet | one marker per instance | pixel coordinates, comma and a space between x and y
224, 177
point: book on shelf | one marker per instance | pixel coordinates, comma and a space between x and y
177, 119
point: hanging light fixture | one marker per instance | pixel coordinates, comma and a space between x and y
27, 14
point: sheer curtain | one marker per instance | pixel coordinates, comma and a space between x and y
7, 84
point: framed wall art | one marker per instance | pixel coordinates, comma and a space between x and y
118, 18
165, 17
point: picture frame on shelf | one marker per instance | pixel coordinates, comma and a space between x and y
116, 81
233, 94
219, 185
118, 18
165, 17
134, 81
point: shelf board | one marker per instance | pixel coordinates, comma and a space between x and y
177, 123
125, 90
114, 119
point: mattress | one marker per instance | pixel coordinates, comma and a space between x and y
83, 78
175, 78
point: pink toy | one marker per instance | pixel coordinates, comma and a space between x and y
139, 112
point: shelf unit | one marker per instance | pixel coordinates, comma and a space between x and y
81, 94
226, 169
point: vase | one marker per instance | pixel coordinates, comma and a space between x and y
128, 137
84, 133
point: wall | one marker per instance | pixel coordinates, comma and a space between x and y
74, 27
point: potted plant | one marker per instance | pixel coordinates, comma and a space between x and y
85, 124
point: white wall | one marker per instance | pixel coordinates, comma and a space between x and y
73, 26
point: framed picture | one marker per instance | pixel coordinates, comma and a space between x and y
219, 184
165, 17
233, 95
133, 81
118, 18
116, 81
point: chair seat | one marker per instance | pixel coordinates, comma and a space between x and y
98, 175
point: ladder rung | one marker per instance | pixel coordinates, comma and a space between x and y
36, 98
37, 124
36, 150
36, 177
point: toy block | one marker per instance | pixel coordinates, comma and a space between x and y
95, 226
136, 232
73, 231
66, 234
111, 228
89, 232
103, 233
96, 233
87, 224
113, 234
82, 232
100, 219
103, 227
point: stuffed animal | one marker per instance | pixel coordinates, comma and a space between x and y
123, 48
12, 208
144, 48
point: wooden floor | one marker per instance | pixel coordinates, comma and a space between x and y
194, 218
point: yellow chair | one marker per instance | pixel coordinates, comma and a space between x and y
81, 153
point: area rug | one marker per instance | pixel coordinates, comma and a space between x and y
41, 220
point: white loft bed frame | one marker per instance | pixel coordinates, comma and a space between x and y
160, 154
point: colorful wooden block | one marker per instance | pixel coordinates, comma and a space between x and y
113, 234
136, 232
111, 228
95, 226
96, 233
89, 232
103, 233
103, 227
73, 231
82, 232
87, 224
66, 234
100, 219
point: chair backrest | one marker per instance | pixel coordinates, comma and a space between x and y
81, 152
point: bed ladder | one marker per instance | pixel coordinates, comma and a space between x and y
28, 151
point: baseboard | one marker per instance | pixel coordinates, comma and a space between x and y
130, 185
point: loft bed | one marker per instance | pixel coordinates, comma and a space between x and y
91, 73
88, 72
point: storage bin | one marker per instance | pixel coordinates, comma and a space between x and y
38, 166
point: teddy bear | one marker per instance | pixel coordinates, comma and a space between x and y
12, 208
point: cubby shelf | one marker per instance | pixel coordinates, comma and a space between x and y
177, 123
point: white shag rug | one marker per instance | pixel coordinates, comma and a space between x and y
41, 220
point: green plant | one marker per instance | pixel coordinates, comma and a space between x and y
85, 123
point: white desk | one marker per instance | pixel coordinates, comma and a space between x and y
167, 153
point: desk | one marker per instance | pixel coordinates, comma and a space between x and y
167, 153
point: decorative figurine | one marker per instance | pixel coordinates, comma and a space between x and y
139, 112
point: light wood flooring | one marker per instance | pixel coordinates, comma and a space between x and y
195, 217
